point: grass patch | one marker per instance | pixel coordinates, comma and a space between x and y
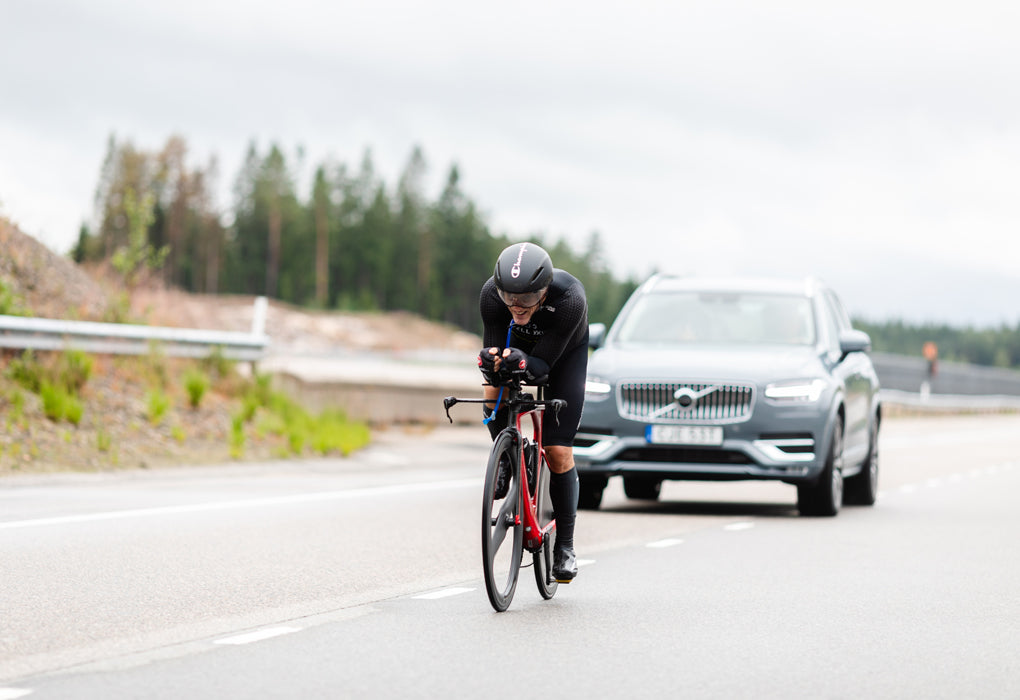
59, 405
157, 404
196, 383
329, 432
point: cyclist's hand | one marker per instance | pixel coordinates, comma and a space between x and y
515, 361
488, 363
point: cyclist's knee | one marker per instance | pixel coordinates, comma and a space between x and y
561, 458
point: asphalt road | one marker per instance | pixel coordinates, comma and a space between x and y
361, 578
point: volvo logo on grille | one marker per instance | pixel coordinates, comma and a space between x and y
684, 397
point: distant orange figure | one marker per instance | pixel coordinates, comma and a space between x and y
931, 353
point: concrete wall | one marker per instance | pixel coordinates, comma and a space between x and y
381, 403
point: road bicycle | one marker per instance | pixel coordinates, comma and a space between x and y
522, 519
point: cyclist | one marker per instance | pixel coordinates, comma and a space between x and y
535, 321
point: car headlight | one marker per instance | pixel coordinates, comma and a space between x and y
801, 390
596, 389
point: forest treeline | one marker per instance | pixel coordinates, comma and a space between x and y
353, 242
993, 347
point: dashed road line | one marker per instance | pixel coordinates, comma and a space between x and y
956, 477
444, 593
737, 527
12, 693
668, 542
257, 636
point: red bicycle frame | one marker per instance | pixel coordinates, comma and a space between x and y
534, 533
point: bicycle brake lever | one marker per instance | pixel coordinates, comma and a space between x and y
448, 402
557, 404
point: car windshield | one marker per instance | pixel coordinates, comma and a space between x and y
718, 317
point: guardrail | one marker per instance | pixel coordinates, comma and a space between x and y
129, 339
949, 403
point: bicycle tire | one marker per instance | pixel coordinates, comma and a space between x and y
501, 555
543, 558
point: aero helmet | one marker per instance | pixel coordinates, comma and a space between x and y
523, 272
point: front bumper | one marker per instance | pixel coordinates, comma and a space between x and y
785, 444
791, 459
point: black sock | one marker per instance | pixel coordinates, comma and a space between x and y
499, 422
563, 491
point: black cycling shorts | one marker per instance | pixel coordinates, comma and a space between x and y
566, 381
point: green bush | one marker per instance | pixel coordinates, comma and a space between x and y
196, 383
10, 304
334, 433
58, 404
74, 369
16, 399
157, 404
27, 372
237, 436
329, 432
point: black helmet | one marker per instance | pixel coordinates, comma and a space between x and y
523, 268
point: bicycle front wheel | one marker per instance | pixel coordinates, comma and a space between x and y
544, 557
502, 530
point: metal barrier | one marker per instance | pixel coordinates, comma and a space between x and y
948, 403
129, 339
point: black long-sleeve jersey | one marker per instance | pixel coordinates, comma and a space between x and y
558, 326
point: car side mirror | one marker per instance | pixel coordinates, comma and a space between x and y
854, 341
596, 335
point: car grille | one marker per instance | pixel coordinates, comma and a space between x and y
710, 402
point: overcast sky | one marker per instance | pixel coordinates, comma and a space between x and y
874, 144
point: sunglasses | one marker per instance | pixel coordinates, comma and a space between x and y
525, 300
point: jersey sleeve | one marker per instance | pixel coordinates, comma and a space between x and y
570, 329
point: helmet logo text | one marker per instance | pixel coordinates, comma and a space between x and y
515, 271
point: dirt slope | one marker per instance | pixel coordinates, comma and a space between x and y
116, 430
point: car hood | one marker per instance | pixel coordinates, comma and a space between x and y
715, 363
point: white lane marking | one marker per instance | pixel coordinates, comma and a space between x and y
387, 458
933, 482
257, 636
585, 562
908, 488
737, 527
12, 693
445, 593
668, 542
250, 503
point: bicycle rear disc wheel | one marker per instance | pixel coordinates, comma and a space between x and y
543, 558
502, 530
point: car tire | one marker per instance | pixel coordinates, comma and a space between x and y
825, 496
590, 488
642, 488
862, 489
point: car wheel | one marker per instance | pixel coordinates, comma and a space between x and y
590, 488
862, 489
825, 496
642, 488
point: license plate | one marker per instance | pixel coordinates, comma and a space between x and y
684, 434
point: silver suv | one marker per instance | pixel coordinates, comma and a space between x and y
703, 379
